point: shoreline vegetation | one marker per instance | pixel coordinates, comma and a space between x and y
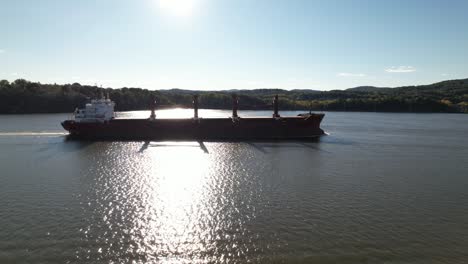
26, 97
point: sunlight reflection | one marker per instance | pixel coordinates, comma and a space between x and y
169, 202
174, 113
176, 197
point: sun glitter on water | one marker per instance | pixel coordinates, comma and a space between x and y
178, 7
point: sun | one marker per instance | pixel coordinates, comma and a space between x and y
178, 7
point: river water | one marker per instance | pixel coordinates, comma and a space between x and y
379, 188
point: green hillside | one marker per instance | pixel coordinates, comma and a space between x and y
23, 96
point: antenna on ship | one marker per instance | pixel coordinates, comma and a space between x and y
101, 92
275, 107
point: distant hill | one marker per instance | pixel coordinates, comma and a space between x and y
306, 91
22, 96
367, 89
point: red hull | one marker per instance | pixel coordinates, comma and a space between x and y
299, 127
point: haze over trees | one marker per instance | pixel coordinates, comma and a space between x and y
22, 96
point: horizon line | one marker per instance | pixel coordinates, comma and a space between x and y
238, 89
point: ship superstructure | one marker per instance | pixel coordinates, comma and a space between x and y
98, 110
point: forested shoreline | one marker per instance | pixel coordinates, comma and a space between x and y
22, 97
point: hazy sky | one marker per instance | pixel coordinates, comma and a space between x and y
234, 44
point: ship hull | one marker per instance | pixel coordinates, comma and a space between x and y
300, 127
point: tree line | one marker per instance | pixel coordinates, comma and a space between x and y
22, 96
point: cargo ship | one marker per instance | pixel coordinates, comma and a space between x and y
97, 121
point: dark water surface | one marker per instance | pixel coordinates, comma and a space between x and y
380, 188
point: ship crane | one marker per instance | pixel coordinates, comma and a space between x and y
153, 109
195, 107
276, 107
235, 107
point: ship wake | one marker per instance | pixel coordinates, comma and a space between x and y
33, 134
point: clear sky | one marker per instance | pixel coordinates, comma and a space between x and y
234, 44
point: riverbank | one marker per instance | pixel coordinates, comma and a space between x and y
25, 97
